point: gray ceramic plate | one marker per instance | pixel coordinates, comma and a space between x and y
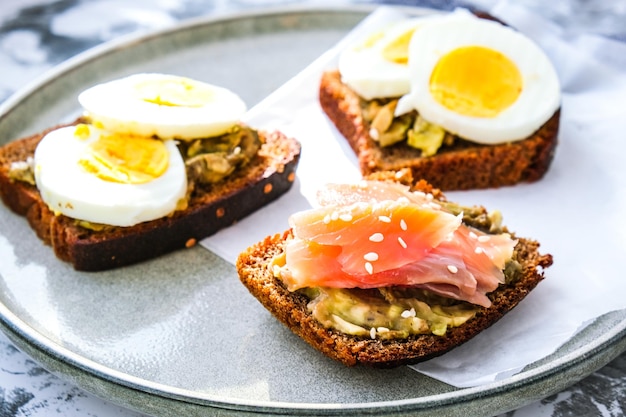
179, 335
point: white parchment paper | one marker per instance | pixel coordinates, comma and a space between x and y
577, 211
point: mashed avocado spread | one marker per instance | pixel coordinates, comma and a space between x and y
388, 130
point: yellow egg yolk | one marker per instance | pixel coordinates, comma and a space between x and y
178, 92
126, 159
398, 50
370, 41
82, 131
475, 81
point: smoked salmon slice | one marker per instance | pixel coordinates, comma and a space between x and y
378, 234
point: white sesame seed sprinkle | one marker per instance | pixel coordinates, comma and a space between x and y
483, 238
478, 250
384, 219
327, 219
363, 184
399, 174
374, 134
402, 242
371, 256
419, 193
453, 269
403, 200
473, 235
429, 197
408, 313
403, 225
369, 268
382, 329
334, 215
346, 217
434, 206
373, 333
377, 237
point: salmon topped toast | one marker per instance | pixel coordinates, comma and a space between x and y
383, 275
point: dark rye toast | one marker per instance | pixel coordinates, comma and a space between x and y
291, 307
211, 208
462, 166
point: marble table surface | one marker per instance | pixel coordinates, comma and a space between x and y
36, 35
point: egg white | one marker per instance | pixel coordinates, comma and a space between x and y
364, 69
538, 101
68, 189
368, 73
115, 106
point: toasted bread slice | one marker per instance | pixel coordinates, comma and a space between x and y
210, 209
462, 166
290, 308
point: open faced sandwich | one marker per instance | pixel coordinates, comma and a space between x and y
156, 163
465, 102
382, 274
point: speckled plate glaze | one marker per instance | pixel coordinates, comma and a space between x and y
180, 335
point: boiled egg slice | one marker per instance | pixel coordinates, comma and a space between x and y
377, 66
109, 178
162, 105
480, 80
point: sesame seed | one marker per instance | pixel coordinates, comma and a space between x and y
478, 250
403, 200
384, 219
382, 330
402, 242
237, 150
373, 333
363, 184
453, 269
334, 215
369, 268
374, 134
429, 197
371, 256
408, 313
346, 217
434, 206
419, 193
399, 174
483, 238
473, 235
377, 237
327, 219
403, 225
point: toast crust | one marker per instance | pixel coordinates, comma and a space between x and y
210, 209
464, 166
291, 309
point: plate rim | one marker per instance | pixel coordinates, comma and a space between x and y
613, 340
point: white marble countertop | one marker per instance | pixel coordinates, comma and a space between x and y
35, 35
